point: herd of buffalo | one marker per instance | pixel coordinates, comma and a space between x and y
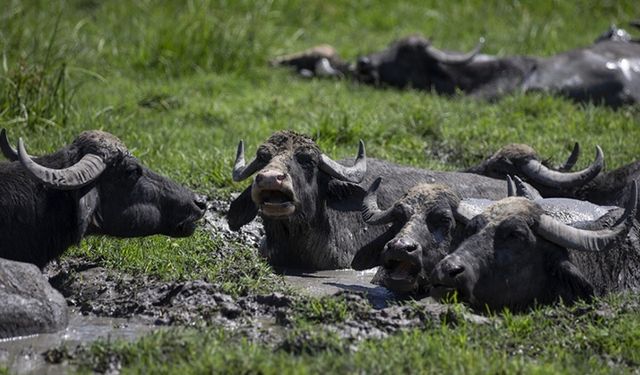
509, 232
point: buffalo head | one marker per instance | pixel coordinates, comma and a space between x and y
522, 160
515, 255
118, 196
425, 219
289, 168
412, 61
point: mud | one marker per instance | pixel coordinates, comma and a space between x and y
215, 222
109, 304
47, 353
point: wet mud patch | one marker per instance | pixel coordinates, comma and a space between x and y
94, 290
215, 222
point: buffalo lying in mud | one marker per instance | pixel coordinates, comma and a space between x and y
310, 205
429, 222
92, 187
516, 255
591, 184
606, 72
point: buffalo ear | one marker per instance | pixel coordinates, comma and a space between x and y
345, 196
368, 256
87, 204
571, 283
242, 210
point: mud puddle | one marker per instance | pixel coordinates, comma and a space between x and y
27, 355
325, 283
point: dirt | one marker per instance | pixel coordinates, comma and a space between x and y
94, 290
96, 295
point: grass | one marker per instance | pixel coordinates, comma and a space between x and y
544, 341
182, 82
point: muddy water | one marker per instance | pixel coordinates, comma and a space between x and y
323, 283
24, 355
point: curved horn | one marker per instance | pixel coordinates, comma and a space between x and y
586, 240
572, 159
511, 187
6, 148
545, 176
523, 190
454, 58
371, 213
78, 175
240, 172
339, 171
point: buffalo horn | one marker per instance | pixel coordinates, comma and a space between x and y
536, 171
240, 172
511, 187
572, 159
371, 213
339, 171
585, 240
78, 175
6, 148
454, 58
522, 190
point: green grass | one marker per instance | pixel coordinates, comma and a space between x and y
182, 82
548, 341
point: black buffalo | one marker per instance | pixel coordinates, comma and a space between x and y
516, 255
428, 224
606, 72
425, 229
591, 184
310, 206
92, 187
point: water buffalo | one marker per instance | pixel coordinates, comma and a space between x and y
425, 230
591, 184
516, 255
428, 225
302, 195
606, 72
92, 187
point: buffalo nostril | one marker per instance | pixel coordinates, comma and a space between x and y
455, 269
201, 202
403, 244
281, 177
259, 178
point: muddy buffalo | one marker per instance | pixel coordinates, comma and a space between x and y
517, 255
606, 72
591, 184
425, 230
429, 222
309, 203
92, 187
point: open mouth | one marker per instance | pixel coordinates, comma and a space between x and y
402, 276
276, 203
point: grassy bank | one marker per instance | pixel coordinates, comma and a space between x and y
582, 340
181, 82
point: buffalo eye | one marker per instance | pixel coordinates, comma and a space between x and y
132, 170
513, 229
306, 159
440, 219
